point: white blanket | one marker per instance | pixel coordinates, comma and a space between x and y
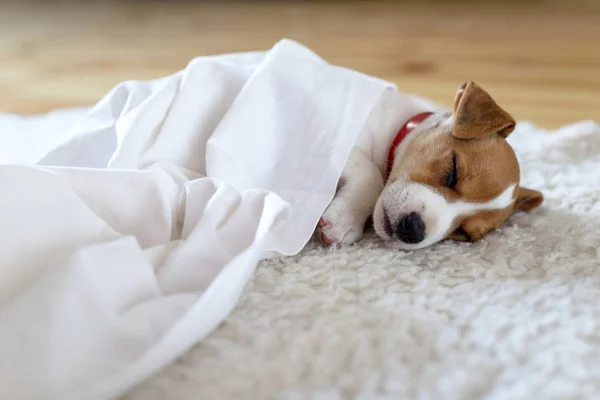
129, 237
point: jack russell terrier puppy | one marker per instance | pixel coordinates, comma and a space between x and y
430, 174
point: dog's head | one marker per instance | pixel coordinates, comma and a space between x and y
454, 176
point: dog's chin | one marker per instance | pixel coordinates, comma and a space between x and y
396, 244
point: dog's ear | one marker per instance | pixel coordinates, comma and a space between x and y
528, 199
477, 116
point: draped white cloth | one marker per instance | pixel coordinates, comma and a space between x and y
129, 230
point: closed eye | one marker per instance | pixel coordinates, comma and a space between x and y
452, 177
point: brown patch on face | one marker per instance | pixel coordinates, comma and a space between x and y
485, 168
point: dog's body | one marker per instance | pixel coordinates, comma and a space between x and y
453, 176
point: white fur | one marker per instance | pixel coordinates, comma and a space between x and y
353, 203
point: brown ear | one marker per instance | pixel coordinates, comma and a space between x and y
528, 199
476, 114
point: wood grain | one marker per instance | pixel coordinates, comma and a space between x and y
539, 59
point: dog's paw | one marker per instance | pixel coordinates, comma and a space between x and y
340, 226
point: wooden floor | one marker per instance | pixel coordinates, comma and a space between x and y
539, 59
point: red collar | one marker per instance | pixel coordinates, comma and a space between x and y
402, 133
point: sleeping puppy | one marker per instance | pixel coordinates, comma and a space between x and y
430, 175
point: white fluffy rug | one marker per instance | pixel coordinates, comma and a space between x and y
515, 316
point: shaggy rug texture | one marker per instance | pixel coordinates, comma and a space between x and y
515, 316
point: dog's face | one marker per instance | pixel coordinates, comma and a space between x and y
454, 176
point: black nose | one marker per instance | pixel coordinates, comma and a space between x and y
411, 228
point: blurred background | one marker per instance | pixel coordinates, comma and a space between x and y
540, 59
